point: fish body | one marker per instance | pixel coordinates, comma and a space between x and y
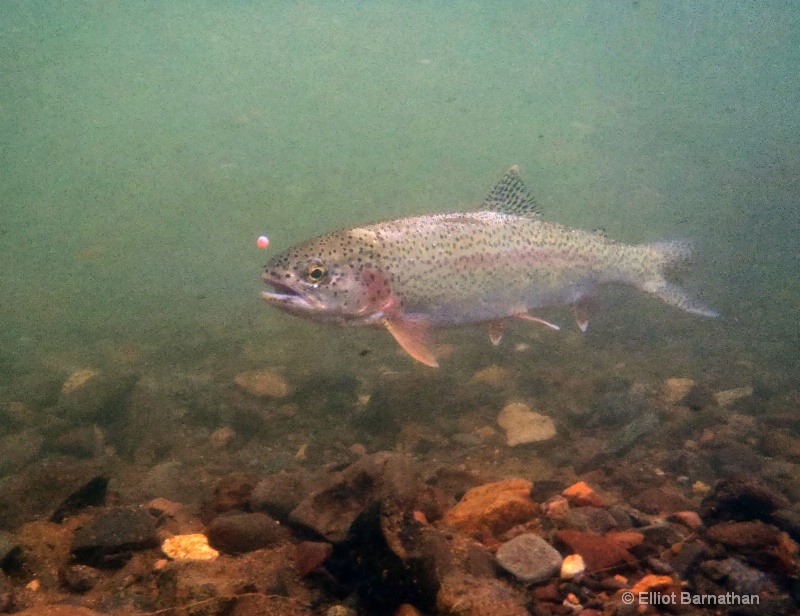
499, 262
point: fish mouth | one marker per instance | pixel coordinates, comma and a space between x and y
286, 297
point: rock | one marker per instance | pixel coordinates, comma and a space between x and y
752, 534
529, 558
493, 508
263, 384
111, 537
231, 492
236, 533
684, 560
675, 389
388, 558
788, 520
556, 508
9, 548
572, 566
598, 553
729, 396
581, 495
92, 394
189, 547
735, 575
8, 598
633, 431
484, 596
332, 508
79, 578
740, 498
661, 501
651, 583
689, 519
523, 425
699, 397
90, 494
627, 539
221, 437
493, 375
310, 555
58, 610
216, 587
19, 449
81, 442
280, 493
593, 519
407, 610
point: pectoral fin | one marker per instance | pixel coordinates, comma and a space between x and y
413, 337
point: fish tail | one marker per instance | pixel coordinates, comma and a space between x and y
663, 256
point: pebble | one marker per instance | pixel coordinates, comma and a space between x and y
221, 437
674, 390
493, 375
79, 578
529, 558
729, 396
263, 383
111, 536
236, 533
572, 566
189, 547
522, 425
581, 495
493, 507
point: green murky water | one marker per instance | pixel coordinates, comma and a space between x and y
145, 146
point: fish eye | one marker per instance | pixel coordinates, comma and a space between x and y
316, 272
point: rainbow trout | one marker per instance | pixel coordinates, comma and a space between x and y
497, 263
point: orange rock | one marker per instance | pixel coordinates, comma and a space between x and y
650, 583
625, 538
407, 610
420, 517
493, 508
581, 495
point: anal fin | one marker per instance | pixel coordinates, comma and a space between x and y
496, 329
582, 309
413, 337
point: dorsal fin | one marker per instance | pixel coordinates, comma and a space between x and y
510, 196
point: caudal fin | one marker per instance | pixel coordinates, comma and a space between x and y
665, 256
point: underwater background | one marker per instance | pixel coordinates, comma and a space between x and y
146, 145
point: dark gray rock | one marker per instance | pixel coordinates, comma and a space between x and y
280, 493
237, 533
9, 548
330, 510
594, 519
7, 595
90, 494
79, 578
529, 558
735, 575
740, 498
788, 520
110, 538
